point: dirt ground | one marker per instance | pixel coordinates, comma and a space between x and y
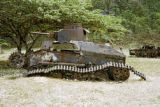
49, 92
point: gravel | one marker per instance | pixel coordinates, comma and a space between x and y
49, 92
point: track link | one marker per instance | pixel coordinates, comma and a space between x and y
92, 69
74, 69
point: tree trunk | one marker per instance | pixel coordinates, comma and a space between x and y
0, 49
19, 49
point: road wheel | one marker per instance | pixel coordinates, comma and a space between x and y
118, 74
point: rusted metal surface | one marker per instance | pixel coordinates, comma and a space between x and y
49, 34
97, 48
40, 33
146, 51
54, 56
87, 53
71, 32
69, 64
47, 44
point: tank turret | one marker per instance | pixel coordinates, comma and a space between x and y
71, 32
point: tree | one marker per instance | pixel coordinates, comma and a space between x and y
17, 19
105, 5
70, 12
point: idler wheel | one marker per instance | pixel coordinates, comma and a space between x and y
17, 60
119, 74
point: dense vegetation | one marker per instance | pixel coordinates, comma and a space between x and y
140, 17
119, 21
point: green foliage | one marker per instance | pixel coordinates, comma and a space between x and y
62, 12
140, 17
113, 20
17, 19
4, 42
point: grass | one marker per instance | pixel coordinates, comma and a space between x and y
42, 91
4, 65
6, 70
150, 66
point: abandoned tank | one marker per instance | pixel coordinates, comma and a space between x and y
71, 56
149, 51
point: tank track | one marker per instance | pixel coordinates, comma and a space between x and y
83, 71
74, 69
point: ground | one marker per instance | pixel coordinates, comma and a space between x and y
49, 92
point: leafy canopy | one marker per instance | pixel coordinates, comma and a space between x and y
74, 11
19, 17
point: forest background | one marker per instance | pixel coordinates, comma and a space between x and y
121, 22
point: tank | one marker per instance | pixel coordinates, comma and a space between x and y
149, 51
71, 58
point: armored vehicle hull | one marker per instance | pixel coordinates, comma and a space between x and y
71, 57
149, 51
87, 61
